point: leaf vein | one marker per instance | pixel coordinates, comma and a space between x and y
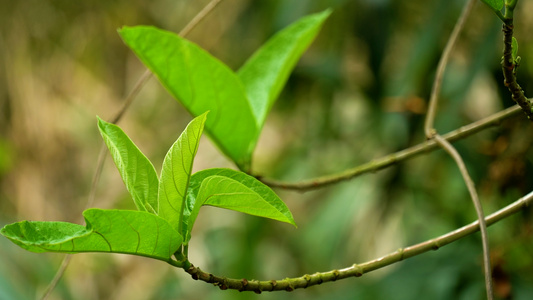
108, 244
135, 230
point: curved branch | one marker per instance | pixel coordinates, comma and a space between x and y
443, 62
479, 210
391, 159
357, 270
431, 133
509, 66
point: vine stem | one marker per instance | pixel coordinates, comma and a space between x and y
116, 118
388, 160
479, 210
509, 71
357, 270
431, 133
441, 67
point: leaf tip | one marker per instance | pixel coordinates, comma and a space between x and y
101, 124
327, 12
123, 29
3, 230
323, 15
205, 114
202, 118
290, 219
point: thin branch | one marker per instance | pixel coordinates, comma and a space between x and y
131, 96
431, 133
391, 159
199, 17
147, 74
430, 118
57, 276
102, 154
357, 270
90, 200
509, 66
479, 210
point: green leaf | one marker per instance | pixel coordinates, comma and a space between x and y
230, 189
495, 5
176, 172
514, 49
201, 83
114, 231
267, 71
136, 170
238, 104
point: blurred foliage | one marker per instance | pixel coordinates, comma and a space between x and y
359, 93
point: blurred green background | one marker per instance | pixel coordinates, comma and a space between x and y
360, 92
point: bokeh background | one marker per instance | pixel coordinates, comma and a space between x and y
359, 92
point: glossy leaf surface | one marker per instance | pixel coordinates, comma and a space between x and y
201, 83
113, 231
230, 189
176, 172
238, 104
267, 71
136, 170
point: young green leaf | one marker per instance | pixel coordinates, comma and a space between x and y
267, 71
136, 170
176, 172
230, 189
201, 83
113, 231
514, 49
495, 5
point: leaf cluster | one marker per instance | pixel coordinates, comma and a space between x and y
168, 205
